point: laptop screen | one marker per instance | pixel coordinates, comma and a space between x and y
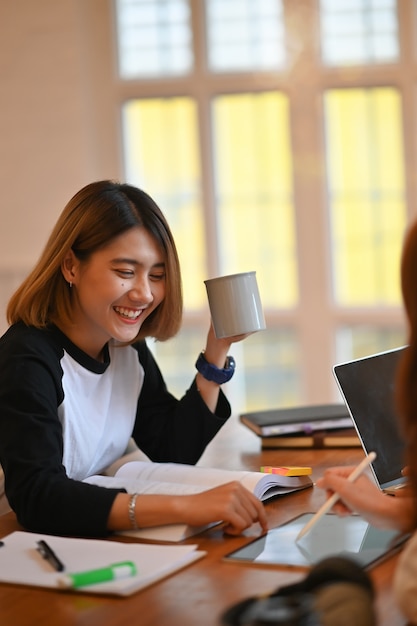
367, 386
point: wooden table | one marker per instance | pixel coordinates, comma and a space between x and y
198, 595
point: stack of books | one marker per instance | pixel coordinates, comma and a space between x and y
313, 426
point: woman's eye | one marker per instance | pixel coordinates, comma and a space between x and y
156, 277
125, 273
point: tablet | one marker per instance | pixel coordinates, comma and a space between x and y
350, 536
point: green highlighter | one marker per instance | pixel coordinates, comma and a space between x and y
124, 569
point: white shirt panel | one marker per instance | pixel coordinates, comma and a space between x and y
98, 418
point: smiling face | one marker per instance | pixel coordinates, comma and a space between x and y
115, 290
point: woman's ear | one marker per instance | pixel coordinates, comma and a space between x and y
69, 267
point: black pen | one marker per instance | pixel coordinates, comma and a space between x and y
49, 555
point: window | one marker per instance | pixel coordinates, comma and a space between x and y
366, 200
271, 133
253, 189
154, 37
243, 35
359, 31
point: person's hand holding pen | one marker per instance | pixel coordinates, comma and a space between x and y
365, 498
355, 473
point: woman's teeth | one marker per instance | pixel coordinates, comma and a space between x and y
127, 312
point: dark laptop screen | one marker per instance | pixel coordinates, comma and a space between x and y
367, 386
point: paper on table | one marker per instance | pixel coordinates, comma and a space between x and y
21, 563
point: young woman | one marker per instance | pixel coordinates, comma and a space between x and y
363, 496
405, 583
77, 380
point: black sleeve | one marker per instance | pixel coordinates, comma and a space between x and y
38, 489
171, 430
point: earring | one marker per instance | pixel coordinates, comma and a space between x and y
70, 284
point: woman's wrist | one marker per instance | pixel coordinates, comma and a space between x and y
214, 373
216, 357
216, 350
401, 511
132, 511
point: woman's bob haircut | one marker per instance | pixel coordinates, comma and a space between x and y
95, 216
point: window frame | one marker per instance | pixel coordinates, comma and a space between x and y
315, 318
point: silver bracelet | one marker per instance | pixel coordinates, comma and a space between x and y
131, 511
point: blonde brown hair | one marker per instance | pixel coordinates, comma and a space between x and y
96, 215
406, 387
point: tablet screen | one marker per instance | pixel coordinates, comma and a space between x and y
348, 536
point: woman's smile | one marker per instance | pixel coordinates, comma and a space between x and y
127, 313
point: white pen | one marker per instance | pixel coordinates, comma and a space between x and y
335, 497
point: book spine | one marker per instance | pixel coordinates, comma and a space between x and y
317, 441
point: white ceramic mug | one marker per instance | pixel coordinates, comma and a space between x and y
235, 304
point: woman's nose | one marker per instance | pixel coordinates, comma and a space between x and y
141, 292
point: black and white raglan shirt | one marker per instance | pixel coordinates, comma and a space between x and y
65, 416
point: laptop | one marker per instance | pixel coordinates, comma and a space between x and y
367, 387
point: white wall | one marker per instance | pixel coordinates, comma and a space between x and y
50, 112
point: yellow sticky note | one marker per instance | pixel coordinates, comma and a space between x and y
289, 470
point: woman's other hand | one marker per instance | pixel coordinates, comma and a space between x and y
364, 498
